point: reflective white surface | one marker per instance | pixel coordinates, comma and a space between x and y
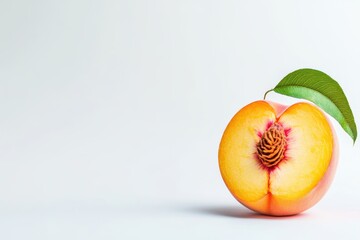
112, 111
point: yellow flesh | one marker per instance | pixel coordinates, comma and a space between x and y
308, 155
309, 152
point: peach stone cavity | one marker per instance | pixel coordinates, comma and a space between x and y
272, 145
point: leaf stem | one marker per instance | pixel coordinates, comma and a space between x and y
267, 93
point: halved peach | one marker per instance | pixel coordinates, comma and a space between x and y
278, 160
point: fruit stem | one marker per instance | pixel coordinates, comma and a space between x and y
267, 93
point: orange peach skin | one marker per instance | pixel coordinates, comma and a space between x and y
298, 182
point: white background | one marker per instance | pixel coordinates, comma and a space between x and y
112, 112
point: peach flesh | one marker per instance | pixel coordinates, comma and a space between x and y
274, 203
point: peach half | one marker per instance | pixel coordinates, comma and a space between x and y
278, 160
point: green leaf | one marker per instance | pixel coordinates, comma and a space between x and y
321, 89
